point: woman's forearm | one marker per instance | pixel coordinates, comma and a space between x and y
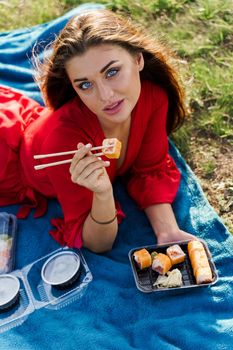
164, 224
99, 237
162, 219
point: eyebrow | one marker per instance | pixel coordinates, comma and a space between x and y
101, 71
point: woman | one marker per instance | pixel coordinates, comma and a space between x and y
104, 78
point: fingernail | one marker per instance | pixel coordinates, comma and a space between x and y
99, 158
88, 145
107, 163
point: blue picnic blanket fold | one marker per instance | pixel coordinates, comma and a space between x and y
113, 314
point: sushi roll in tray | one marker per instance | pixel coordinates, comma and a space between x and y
175, 254
161, 263
142, 258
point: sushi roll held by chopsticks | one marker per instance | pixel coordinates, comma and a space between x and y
110, 148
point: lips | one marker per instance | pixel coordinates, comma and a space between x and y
114, 107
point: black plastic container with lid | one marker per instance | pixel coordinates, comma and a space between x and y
145, 279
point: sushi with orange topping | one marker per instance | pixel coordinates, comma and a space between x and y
175, 254
142, 258
161, 263
112, 148
199, 261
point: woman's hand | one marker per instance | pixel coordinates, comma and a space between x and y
164, 223
89, 171
179, 235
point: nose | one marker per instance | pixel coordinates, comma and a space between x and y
105, 92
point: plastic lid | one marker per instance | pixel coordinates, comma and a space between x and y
60, 268
9, 288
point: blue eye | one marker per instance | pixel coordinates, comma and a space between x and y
111, 72
85, 85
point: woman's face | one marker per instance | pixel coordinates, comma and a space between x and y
107, 80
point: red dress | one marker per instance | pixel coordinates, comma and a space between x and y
150, 174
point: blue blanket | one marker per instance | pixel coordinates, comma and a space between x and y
113, 314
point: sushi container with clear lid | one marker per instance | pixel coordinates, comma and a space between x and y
61, 270
146, 278
9, 291
8, 233
52, 281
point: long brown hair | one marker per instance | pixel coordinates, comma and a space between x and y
104, 26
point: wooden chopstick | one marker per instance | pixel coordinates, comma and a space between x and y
42, 166
40, 156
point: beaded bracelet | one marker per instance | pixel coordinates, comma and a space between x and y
103, 222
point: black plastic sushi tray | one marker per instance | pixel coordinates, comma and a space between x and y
146, 278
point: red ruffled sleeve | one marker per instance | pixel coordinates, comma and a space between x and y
154, 177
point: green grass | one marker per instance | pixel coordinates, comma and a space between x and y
25, 13
200, 31
208, 168
202, 34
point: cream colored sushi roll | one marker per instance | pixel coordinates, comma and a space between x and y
112, 148
202, 264
203, 275
195, 245
175, 254
199, 261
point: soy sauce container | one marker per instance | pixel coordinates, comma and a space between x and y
61, 270
9, 291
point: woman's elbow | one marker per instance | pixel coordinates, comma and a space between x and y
99, 249
99, 241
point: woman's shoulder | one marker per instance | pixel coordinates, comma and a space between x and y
152, 89
153, 96
68, 110
71, 124
71, 114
